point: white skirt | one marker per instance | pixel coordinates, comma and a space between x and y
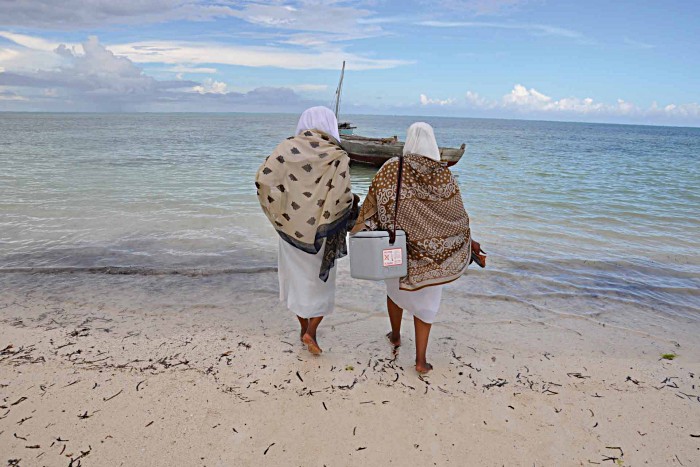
423, 304
305, 294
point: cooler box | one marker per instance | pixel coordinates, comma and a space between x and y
373, 258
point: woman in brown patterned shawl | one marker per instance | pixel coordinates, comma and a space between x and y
432, 214
304, 190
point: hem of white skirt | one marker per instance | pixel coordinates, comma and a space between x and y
415, 314
420, 318
294, 309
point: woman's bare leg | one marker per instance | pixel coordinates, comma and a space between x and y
395, 315
304, 323
422, 333
309, 337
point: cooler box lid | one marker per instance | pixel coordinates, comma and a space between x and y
377, 234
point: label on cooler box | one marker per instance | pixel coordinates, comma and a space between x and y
392, 257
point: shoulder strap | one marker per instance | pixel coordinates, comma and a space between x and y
392, 233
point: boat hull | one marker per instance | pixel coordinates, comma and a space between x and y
376, 151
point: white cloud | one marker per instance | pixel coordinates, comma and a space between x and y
91, 77
474, 99
184, 55
522, 97
626, 108
329, 17
309, 24
306, 40
99, 71
10, 96
210, 86
302, 33
30, 42
481, 7
384, 20
94, 75
30, 53
637, 44
7, 54
530, 102
75, 14
536, 29
196, 53
308, 87
193, 70
524, 100
685, 110
690, 110
424, 100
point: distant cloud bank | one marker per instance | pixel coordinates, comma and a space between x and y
89, 77
534, 104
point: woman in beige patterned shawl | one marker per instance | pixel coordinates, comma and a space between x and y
304, 190
432, 214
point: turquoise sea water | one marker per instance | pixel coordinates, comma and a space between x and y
563, 209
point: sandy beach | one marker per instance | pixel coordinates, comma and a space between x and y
161, 161
110, 369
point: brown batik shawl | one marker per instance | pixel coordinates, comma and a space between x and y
304, 189
431, 213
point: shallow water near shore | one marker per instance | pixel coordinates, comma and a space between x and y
583, 219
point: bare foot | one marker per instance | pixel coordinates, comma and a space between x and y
311, 344
304, 323
423, 368
395, 342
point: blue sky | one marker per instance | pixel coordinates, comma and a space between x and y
620, 61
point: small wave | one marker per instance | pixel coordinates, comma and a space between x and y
138, 271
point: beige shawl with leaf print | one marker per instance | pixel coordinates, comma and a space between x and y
304, 190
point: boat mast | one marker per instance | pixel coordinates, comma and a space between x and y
337, 91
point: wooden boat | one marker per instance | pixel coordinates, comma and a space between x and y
345, 128
376, 151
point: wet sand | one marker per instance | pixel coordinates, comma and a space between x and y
111, 369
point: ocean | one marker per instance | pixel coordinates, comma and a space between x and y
566, 211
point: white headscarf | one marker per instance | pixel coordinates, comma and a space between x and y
319, 118
420, 139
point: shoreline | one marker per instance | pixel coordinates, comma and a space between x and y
156, 370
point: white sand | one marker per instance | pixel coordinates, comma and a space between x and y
174, 370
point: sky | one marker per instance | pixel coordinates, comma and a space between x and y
595, 61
